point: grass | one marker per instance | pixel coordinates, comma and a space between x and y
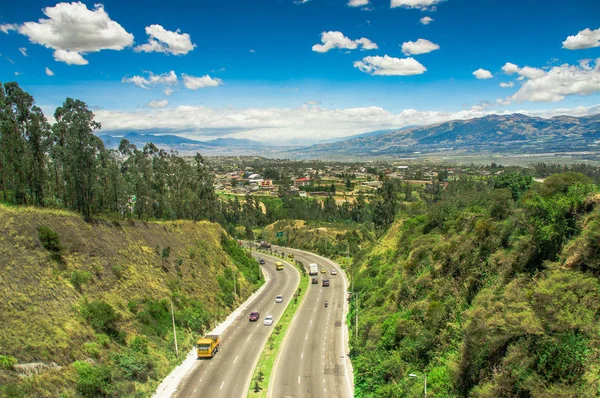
264, 367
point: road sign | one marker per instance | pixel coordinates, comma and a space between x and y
279, 234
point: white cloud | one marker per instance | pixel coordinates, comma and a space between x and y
358, 3
507, 85
252, 51
17, 73
421, 4
308, 122
158, 104
389, 66
482, 74
558, 82
334, 39
421, 46
531, 73
166, 41
72, 30
586, 38
426, 20
69, 57
168, 91
168, 79
510, 69
23, 51
49, 72
7, 27
194, 83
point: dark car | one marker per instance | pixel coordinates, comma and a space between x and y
315, 281
325, 282
254, 315
262, 261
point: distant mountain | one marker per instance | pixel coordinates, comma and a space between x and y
514, 133
178, 143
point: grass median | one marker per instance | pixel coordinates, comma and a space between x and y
264, 367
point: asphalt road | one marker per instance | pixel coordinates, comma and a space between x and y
312, 360
229, 373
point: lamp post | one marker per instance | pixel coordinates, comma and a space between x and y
424, 381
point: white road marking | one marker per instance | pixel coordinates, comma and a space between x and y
235, 360
249, 337
298, 379
222, 385
306, 337
195, 389
302, 356
311, 321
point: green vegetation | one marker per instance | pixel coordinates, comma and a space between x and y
264, 367
99, 322
491, 288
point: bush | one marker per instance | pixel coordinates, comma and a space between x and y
135, 366
93, 381
103, 340
118, 271
49, 239
139, 344
101, 316
92, 349
79, 278
7, 362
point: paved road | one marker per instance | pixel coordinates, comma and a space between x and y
312, 360
229, 373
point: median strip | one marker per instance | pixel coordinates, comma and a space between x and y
264, 367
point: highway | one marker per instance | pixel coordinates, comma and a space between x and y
229, 373
312, 361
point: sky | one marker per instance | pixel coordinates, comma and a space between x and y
302, 70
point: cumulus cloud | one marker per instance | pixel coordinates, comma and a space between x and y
167, 79
7, 27
334, 39
426, 20
510, 69
358, 3
308, 122
559, 82
507, 85
420, 4
194, 83
49, 72
166, 41
482, 74
421, 46
586, 38
389, 66
168, 91
158, 104
23, 51
72, 31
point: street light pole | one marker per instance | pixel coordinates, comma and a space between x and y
424, 381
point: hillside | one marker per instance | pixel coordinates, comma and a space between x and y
493, 290
87, 305
514, 133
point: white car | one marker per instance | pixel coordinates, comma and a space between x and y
268, 320
333, 272
279, 299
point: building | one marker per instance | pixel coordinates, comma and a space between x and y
302, 182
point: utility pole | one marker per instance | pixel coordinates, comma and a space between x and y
174, 331
234, 289
356, 322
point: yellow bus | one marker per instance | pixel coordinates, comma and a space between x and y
279, 266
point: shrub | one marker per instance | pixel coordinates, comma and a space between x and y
139, 344
101, 316
135, 366
79, 278
92, 349
93, 381
166, 252
103, 340
118, 271
49, 239
7, 362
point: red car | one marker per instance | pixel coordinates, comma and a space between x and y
325, 282
254, 315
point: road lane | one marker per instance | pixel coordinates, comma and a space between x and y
229, 373
312, 361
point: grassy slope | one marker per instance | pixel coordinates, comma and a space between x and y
40, 318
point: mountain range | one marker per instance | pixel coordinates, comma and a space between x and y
515, 133
178, 143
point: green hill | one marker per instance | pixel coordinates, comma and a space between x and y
85, 307
492, 289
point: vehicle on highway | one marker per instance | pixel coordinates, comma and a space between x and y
261, 262
313, 269
265, 245
268, 320
325, 303
207, 346
254, 315
325, 282
290, 255
333, 272
279, 266
315, 281
279, 299
323, 271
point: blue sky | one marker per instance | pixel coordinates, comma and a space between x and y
254, 71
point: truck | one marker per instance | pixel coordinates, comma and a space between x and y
208, 346
265, 245
314, 269
279, 266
